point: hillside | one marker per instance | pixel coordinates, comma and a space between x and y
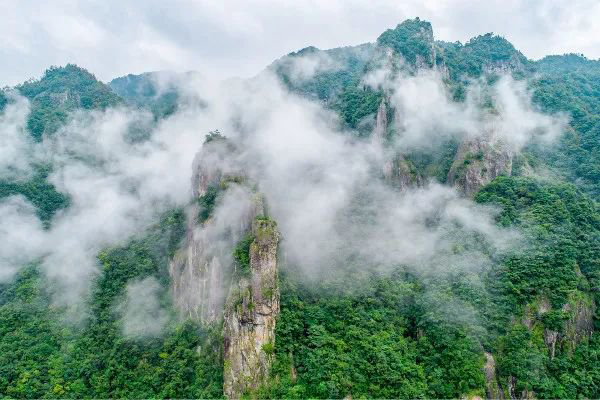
408, 218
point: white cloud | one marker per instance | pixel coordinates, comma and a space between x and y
16, 144
141, 312
237, 37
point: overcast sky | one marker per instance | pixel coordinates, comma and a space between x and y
224, 38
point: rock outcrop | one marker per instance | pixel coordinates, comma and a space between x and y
492, 388
576, 321
400, 173
201, 271
208, 285
580, 323
397, 171
381, 123
478, 161
250, 315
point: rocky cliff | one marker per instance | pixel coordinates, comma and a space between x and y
250, 315
492, 388
478, 161
397, 170
201, 271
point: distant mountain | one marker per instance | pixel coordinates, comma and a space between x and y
60, 91
161, 92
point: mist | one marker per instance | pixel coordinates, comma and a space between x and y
141, 312
321, 183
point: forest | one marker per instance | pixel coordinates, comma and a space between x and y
362, 332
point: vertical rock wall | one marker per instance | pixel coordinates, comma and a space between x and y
201, 270
250, 315
478, 161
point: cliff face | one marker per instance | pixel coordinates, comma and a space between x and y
250, 315
578, 325
400, 173
478, 161
381, 123
201, 271
492, 388
207, 285
397, 171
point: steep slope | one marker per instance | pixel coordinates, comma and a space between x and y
242, 322
250, 315
570, 84
158, 91
202, 271
478, 162
60, 91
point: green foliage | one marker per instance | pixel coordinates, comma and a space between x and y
576, 92
207, 203
436, 161
60, 91
563, 228
342, 68
241, 255
412, 38
29, 336
330, 344
392, 336
471, 59
44, 357
522, 356
3, 100
554, 320
355, 103
567, 63
42, 194
143, 91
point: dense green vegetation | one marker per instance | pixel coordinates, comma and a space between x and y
377, 342
479, 53
560, 266
144, 91
412, 39
59, 91
354, 104
3, 100
241, 255
334, 70
577, 93
37, 190
44, 356
399, 334
207, 203
405, 336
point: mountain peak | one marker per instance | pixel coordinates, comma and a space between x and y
62, 89
413, 39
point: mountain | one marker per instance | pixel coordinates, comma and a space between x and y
145, 91
440, 240
60, 91
52, 98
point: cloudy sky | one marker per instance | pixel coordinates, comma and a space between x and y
239, 37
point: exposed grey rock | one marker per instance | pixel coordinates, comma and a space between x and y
580, 325
201, 271
478, 161
399, 173
250, 316
492, 388
381, 123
